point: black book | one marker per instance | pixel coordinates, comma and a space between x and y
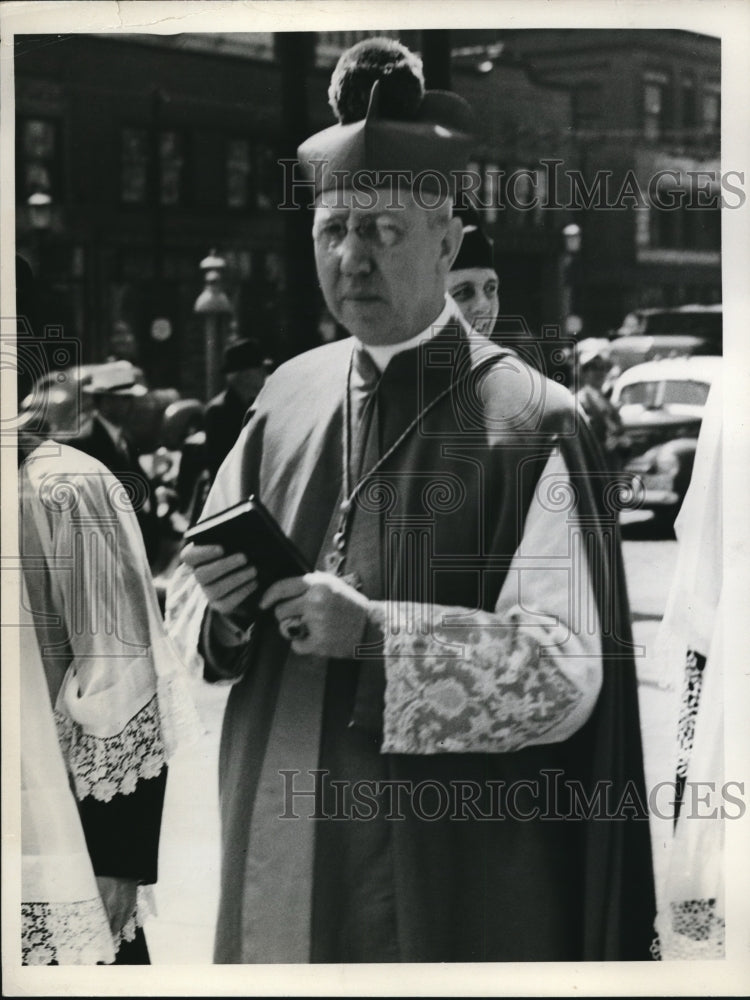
249, 527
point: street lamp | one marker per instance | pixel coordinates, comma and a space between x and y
39, 205
40, 210
214, 307
572, 240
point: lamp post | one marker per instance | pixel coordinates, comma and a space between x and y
572, 239
214, 307
40, 210
40, 217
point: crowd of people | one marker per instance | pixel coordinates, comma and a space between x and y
419, 728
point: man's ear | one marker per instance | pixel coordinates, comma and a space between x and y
451, 242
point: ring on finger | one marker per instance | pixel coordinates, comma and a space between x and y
294, 628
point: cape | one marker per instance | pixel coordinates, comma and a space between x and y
439, 525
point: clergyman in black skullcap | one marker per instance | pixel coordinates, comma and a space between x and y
472, 280
390, 131
431, 734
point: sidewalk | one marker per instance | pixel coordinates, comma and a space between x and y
187, 893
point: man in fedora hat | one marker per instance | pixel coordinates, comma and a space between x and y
245, 368
113, 387
414, 725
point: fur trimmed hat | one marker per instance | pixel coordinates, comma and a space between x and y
388, 123
376, 59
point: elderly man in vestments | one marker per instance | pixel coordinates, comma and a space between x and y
431, 751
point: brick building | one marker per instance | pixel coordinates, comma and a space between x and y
153, 150
646, 115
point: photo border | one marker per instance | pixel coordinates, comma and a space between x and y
730, 21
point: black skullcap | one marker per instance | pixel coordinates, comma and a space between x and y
477, 249
388, 122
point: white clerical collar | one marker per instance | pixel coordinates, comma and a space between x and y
382, 353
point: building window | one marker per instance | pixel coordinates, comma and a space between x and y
643, 227
134, 172
38, 159
701, 227
522, 197
687, 227
654, 105
586, 107
664, 229
171, 168
252, 175
711, 108
542, 194
267, 189
136, 164
239, 173
473, 196
491, 192
689, 102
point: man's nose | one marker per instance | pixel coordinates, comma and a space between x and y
486, 304
355, 254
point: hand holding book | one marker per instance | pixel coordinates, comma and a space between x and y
229, 582
238, 553
246, 565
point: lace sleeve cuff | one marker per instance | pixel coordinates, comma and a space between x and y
689, 929
77, 933
68, 933
111, 765
486, 687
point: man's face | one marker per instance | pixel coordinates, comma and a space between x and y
117, 409
382, 268
594, 373
122, 343
475, 290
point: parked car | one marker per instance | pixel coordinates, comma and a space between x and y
650, 334
661, 407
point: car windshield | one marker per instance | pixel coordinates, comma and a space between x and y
667, 393
688, 393
639, 393
671, 323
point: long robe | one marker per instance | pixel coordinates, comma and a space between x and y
549, 872
94, 439
690, 646
99, 659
